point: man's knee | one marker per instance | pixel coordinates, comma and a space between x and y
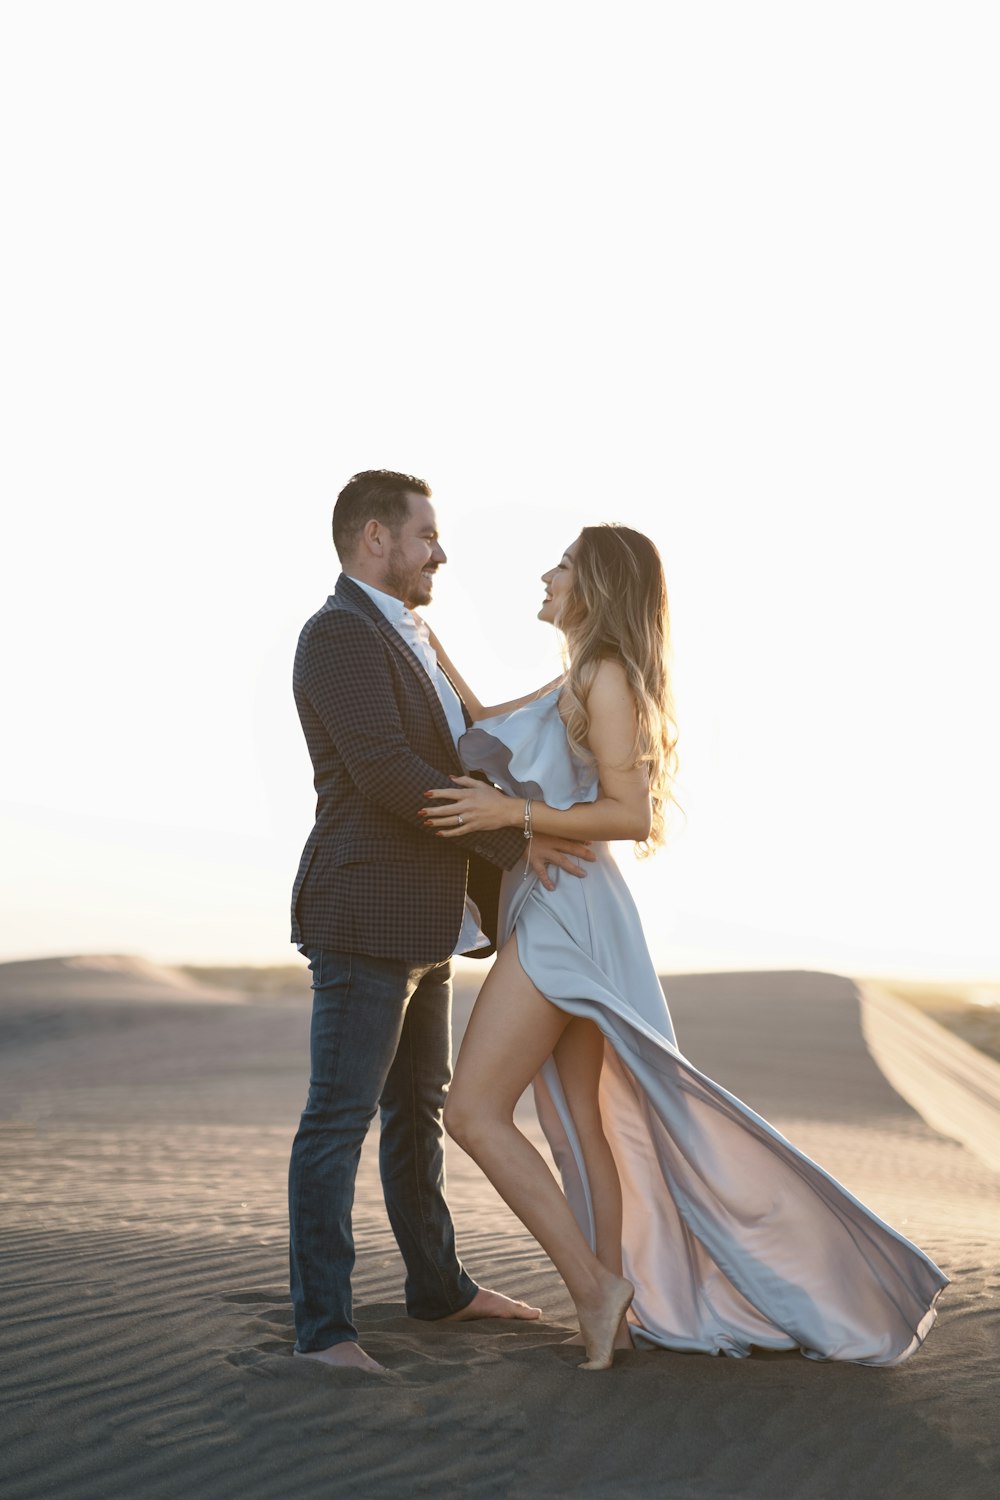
327, 1112
402, 1101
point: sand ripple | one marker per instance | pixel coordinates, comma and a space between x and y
147, 1334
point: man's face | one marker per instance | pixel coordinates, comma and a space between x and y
414, 554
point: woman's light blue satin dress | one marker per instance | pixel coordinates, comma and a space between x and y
732, 1237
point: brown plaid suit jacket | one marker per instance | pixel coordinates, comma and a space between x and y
372, 878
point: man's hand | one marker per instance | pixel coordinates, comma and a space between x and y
547, 850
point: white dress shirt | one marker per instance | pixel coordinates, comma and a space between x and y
416, 635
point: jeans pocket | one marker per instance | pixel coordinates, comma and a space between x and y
328, 967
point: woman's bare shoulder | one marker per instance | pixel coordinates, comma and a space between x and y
609, 686
611, 709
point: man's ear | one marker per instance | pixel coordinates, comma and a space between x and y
373, 538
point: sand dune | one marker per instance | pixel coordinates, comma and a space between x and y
954, 1087
147, 1330
105, 978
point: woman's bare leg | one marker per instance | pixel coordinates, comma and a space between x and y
512, 1031
579, 1056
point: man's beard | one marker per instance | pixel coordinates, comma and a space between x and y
412, 588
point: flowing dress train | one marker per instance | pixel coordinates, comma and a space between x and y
731, 1235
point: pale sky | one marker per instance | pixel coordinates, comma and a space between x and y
724, 272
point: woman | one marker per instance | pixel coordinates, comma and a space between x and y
676, 1193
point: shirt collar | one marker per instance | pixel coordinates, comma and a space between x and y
394, 609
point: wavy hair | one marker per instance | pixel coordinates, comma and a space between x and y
617, 608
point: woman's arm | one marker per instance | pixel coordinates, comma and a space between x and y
472, 703
622, 809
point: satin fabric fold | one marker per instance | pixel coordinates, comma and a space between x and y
733, 1237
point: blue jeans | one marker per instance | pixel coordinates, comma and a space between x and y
381, 1036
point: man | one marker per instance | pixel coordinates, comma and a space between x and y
379, 906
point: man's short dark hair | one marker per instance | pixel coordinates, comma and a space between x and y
373, 495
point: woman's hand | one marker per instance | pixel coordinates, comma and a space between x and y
473, 807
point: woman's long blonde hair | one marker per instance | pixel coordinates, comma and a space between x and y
617, 608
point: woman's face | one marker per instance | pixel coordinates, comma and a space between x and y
558, 586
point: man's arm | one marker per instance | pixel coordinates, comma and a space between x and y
341, 667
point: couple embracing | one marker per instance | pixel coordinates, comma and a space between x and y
444, 827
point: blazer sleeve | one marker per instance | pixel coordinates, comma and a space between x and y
342, 669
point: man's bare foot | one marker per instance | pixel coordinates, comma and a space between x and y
345, 1356
601, 1320
623, 1338
487, 1304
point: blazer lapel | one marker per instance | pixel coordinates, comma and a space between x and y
465, 712
348, 593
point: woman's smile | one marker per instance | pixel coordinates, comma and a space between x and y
558, 585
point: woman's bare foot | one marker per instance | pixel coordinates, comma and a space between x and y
487, 1304
601, 1320
623, 1338
345, 1356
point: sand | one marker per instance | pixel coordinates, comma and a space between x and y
147, 1333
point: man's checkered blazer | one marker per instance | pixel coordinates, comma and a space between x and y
372, 878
